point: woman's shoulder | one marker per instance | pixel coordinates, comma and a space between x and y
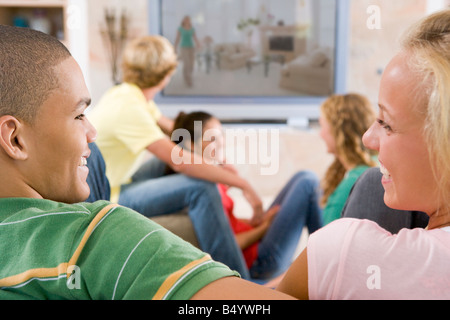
360, 234
350, 258
343, 231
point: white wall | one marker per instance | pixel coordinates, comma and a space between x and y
435, 5
77, 28
100, 76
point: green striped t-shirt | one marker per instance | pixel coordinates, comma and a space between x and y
98, 250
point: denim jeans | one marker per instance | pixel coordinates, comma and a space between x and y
299, 208
97, 180
152, 194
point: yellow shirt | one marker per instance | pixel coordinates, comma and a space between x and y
126, 123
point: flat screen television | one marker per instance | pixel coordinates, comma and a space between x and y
255, 60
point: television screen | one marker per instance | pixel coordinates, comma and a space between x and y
255, 50
281, 43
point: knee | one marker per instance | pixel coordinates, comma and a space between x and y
205, 188
306, 182
307, 176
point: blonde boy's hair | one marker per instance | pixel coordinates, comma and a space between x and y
148, 60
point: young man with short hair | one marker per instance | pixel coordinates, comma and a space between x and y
53, 246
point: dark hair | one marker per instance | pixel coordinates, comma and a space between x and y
27, 61
187, 121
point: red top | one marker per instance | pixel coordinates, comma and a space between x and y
238, 226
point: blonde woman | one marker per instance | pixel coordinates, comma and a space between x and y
356, 259
129, 125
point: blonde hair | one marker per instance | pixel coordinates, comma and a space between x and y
148, 60
428, 42
349, 117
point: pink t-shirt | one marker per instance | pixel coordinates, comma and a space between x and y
357, 259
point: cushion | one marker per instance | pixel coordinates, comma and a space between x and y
318, 58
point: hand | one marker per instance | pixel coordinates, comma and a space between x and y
268, 217
256, 203
271, 213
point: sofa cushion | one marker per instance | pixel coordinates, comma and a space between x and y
180, 224
238, 56
304, 70
232, 48
226, 48
318, 58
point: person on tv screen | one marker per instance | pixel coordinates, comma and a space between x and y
187, 41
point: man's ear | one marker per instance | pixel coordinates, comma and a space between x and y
11, 140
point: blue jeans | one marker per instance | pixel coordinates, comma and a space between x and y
299, 208
97, 180
152, 194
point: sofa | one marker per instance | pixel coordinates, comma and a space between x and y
180, 224
310, 73
233, 56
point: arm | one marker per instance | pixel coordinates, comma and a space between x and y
295, 282
177, 41
166, 125
229, 167
233, 288
190, 164
247, 238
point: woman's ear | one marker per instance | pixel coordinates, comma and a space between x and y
11, 140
